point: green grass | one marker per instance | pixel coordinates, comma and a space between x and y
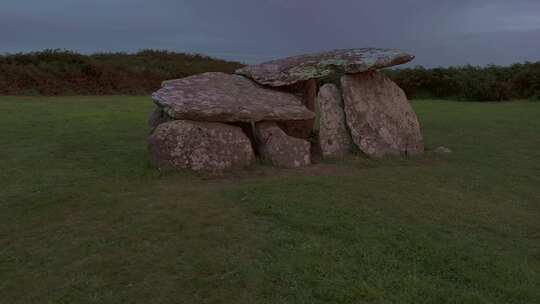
84, 218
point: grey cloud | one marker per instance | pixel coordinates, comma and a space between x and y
438, 32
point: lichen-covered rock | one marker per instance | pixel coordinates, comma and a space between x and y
302, 128
157, 117
291, 70
200, 146
334, 138
219, 97
379, 116
280, 149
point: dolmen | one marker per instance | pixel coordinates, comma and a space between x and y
285, 111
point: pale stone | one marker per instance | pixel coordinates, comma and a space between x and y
219, 97
280, 149
379, 116
334, 138
295, 69
442, 150
200, 146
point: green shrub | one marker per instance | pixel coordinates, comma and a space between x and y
491, 83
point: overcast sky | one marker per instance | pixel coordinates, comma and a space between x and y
438, 32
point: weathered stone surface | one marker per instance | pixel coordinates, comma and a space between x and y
291, 70
219, 97
379, 116
200, 146
157, 117
280, 149
334, 138
308, 92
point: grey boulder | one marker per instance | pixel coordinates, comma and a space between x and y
380, 118
334, 138
442, 150
220, 97
280, 149
200, 146
287, 71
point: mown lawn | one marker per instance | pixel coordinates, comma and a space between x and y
84, 218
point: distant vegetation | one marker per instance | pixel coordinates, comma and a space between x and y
491, 83
60, 72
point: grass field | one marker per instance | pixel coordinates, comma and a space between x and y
84, 218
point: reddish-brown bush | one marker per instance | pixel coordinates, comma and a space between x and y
60, 72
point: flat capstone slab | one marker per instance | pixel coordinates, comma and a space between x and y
288, 71
220, 97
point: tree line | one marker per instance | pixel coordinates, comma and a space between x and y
62, 72
471, 83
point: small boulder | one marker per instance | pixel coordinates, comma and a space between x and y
380, 118
442, 150
287, 71
200, 146
220, 97
280, 149
334, 138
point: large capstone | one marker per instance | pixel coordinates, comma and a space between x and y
380, 118
200, 146
334, 138
287, 71
280, 149
219, 97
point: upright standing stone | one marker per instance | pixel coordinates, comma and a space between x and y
302, 128
280, 149
200, 146
381, 119
334, 138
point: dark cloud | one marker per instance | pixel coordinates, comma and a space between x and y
438, 32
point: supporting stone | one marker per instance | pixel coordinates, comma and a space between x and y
380, 118
280, 149
334, 138
200, 146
